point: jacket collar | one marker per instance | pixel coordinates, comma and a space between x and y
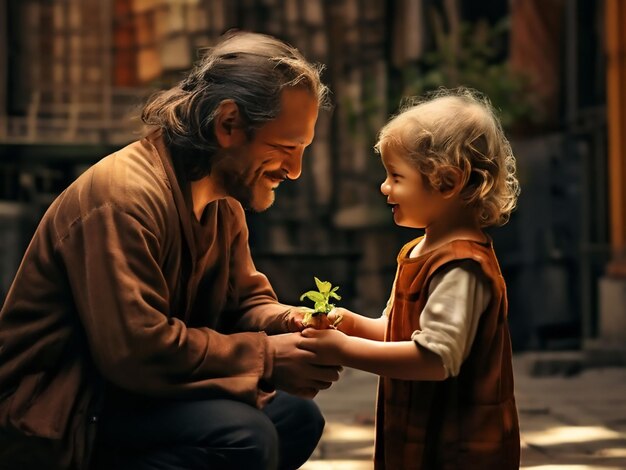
157, 141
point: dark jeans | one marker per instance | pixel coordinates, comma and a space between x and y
212, 434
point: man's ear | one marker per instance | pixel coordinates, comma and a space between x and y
228, 125
450, 182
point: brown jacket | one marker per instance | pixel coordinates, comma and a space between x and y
113, 289
467, 422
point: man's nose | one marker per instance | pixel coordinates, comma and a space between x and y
293, 164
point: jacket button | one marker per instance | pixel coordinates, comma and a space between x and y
93, 419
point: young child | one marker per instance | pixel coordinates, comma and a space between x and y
442, 346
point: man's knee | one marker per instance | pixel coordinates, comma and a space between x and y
258, 434
308, 414
300, 424
299, 416
251, 444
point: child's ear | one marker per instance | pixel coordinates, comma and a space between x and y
227, 125
450, 182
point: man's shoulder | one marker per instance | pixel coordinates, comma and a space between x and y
231, 212
130, 180
132, 173
233, 207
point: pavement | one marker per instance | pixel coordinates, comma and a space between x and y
572, 416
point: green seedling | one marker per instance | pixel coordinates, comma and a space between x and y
322, 306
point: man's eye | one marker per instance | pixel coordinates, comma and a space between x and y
285, 148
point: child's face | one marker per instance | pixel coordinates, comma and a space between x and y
414, 203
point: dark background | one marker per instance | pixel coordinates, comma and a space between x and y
73, 73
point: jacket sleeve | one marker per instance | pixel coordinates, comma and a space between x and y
123, 302
254, 297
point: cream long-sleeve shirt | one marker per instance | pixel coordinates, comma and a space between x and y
457, 296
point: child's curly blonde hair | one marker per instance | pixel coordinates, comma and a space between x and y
453, 130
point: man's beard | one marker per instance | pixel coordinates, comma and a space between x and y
247, 188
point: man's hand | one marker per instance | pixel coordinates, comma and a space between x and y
326, 345
319, 322
294, 369
291, 320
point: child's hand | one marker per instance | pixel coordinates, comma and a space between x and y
326, 345
336, 316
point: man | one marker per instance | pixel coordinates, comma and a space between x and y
137, 332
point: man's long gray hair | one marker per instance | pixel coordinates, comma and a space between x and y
249, 68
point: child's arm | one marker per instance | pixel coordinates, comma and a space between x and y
457, 297
354, 324
404, 360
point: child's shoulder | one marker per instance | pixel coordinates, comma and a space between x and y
409, 246
455, 246
458, 250
477, 250
479, 254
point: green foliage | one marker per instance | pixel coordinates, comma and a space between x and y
471, 56
321, 298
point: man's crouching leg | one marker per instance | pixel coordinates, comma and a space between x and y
299, 424
216, 434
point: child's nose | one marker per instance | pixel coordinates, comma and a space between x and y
384, 188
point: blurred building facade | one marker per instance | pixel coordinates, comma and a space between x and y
73, 73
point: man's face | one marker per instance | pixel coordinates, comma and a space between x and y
252, 171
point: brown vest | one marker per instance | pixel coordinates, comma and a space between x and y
465, 422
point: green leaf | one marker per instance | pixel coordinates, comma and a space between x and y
335, 296
323, 286
312, 295
321, 298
